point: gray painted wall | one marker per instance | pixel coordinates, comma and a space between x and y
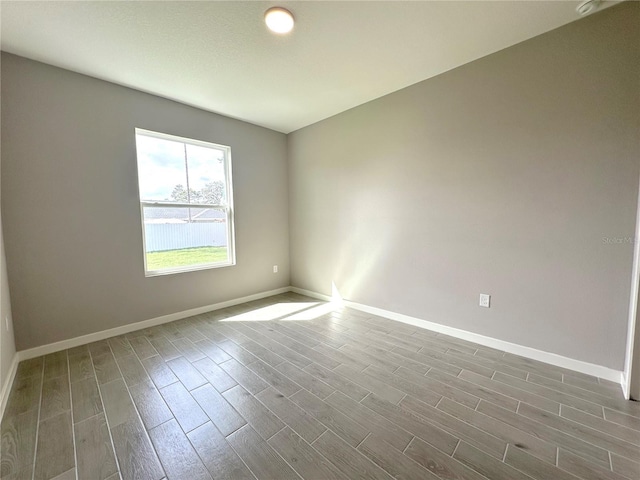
502, 176
71, 214
7, 342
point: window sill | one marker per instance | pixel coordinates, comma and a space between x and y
190, 268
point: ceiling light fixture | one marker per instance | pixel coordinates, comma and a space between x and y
279, 20
587, 7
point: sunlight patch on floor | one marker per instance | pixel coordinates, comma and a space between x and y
271, 312
315, 312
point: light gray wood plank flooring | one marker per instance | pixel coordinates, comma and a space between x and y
337, 394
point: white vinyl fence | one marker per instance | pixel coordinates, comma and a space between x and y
173, 236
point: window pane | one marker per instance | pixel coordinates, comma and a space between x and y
161, 168
184, 236
175, 172
206, 175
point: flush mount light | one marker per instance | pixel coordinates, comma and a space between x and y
587, 7
279, 20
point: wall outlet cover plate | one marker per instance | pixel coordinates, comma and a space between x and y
485, 300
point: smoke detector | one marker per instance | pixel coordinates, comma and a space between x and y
590, 6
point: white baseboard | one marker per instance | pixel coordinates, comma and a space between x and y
309, 293
528, 352
535, 354
8, 382
132, 327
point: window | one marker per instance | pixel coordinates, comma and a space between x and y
186, 203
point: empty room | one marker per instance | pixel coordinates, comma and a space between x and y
320, 240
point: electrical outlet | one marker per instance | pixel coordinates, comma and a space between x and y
275, 269
485, 300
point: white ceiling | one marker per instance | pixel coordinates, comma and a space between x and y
218, 56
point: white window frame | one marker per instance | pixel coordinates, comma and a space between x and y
228, 207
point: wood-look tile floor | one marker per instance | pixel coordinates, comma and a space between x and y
288, 387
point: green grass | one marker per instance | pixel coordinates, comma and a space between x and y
184, 257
